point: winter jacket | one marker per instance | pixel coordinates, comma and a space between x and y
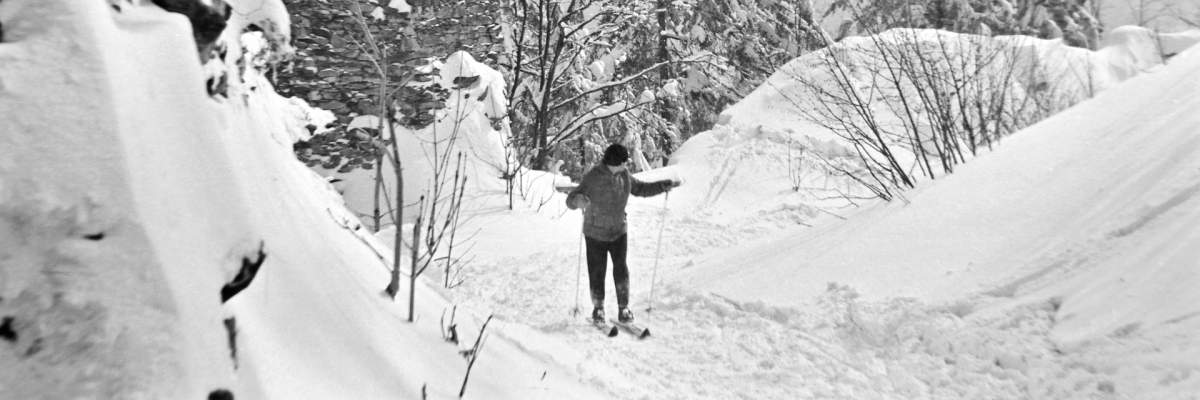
608, 192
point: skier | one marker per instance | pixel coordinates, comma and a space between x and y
602, 194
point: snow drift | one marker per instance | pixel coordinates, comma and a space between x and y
1091, 213
1070, 140
129, 198
760, 164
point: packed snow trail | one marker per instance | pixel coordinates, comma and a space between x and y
708, 347
845, 346
958, 344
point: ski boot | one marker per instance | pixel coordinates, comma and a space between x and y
598, 315
625, 316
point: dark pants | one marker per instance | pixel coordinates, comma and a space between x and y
597, 250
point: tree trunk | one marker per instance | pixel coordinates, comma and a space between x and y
664, 73
412, 282
398, 212
378, 179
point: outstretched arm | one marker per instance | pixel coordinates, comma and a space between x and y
647, 189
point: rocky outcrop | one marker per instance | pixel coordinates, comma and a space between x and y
207, 22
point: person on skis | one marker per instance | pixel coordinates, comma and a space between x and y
602, 194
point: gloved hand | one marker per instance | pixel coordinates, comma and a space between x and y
670, 184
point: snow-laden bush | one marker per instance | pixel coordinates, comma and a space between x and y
914, 104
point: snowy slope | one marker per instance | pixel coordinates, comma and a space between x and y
1029, 192
128, 198
895, 325
753, 169
69, 140
184, 189
758, 169
1093, 211
744, 306
781, 95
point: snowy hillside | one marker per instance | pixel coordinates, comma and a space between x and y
1090, 213
1061, 265
759, 166
1037, 211
1028, 77
129, 198
989, 283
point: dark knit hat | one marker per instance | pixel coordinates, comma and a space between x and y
615, 154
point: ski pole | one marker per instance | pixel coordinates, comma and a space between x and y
578, 271
662, 223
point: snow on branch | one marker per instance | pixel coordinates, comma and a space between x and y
693, 59
597, 113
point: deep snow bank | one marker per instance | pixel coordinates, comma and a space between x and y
1069, 252
112, 255
760, 162
128, 198
1095, 207
1125, 52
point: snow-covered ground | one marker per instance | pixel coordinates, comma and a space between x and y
129, 197
1061, 265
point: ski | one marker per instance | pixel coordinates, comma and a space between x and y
609, 329
638, 331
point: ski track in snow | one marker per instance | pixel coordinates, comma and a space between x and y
707, 347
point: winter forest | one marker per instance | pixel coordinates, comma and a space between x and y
404, 199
